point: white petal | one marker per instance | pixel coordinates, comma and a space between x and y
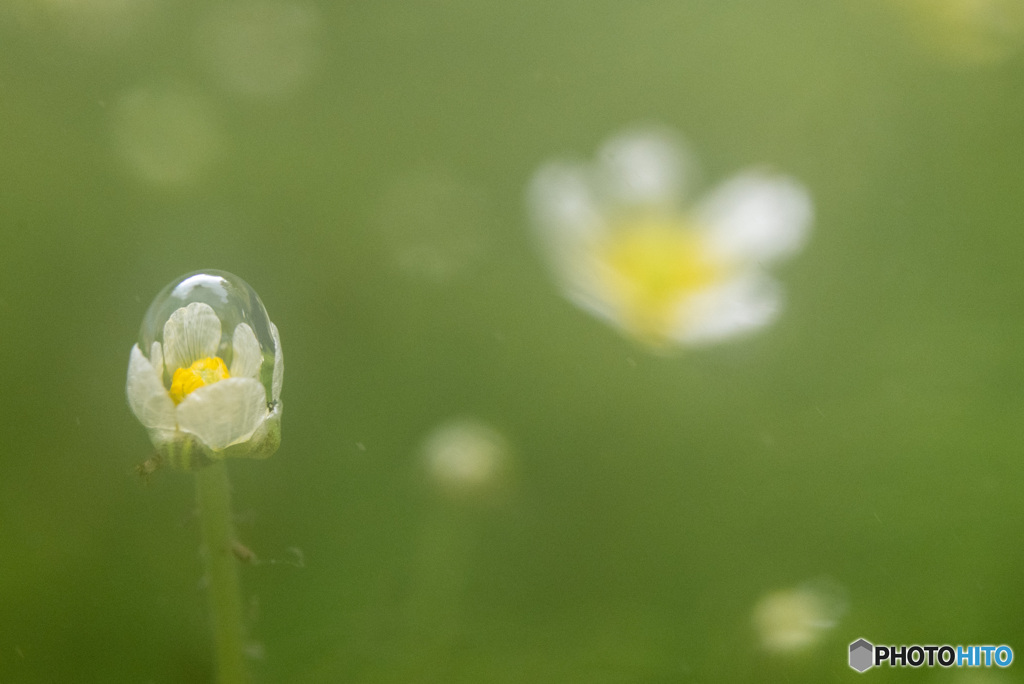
247, 357
156, 357
147, 397
593, 297
278, 380
225, 412
563, 206
569, 222
758, 216
738, 306
191, 333
645, 167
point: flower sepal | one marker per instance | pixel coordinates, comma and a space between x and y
183, 451
263, 443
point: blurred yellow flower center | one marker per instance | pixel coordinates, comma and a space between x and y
203, 372
649, 267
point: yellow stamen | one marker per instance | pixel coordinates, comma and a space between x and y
202, 372
649, 267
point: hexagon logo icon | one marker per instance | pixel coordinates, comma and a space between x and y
861, 655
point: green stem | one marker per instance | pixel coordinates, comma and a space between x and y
214, 497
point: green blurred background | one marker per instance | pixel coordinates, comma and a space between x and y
364, 171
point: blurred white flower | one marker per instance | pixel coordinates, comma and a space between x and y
627, 247
186, 394
465, 455
101, 25
432, 224
261, 49
969, 32
792, 620
167, 135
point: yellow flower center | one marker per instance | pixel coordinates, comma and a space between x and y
203, 372
649, 266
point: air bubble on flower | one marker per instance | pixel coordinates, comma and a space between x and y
465, 455
794, 620
627, 247
167, 135
261, 49
205, 377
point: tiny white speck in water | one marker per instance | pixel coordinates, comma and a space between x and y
254, 650
300, 558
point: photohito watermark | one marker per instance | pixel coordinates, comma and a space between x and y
865, 655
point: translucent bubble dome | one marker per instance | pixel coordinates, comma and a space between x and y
233, 302
207, 371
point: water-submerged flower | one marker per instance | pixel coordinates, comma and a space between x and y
205, 378
627, 247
